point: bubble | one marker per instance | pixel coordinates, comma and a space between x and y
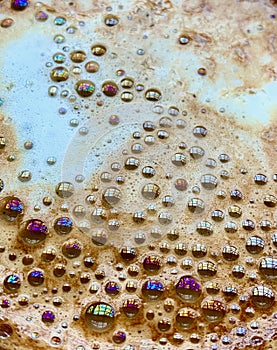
12, 282
196, 152
127, 96
152, 289
196, 205
178, 159
255, 245
112, 195
230, 253
59, 21
33, 232
3, 142
6, 331
48, 317
260, 179
59, 57
199, 250
27, 260
48, 254
24, 176
59, 74
153, 95
127, 83
207, 269
59, 39
130, 307
263, 297
128, 253
98, 50
19, 5
119, 337
200, 131
236, 195
213, 310
109, 88
99, 316
248, 225
268, 268
6, 22
112, 288
92, 67
59, 270
62, 225
36, 277
78, 56
238, 271
202, 71
152, 263
11, 208
188, 289
186, 318
84, 88
64, 189
41, 16
72, 248
270, 201
111, 20
184, 39
224, 158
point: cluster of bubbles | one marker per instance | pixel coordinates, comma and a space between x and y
172, 281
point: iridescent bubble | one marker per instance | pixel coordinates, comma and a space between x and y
99, 316
119, 337
85, 88
59, 21
72, 248
41, 16
63, 225
19, 5
152, 289
36, 277
131, 307
59, 74
6, 22
152, 263
59, 57
109, 88
33, 232
48, 317
11, 208
112, 288
12, 282
188, 289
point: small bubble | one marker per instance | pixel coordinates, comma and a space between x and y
111, 20
59, 39
33, 232
109, 88
48, 317
24, 176
92, 67
202, 71
6, 22
41, 16
98, 50
59, 74
153, 95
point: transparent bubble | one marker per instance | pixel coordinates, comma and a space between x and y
213, 310
112, 195
255, 245
64, 189
268, 268
263, 297
230, 253
207, 269
209, 181
6, 331
153, 95
186, 318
